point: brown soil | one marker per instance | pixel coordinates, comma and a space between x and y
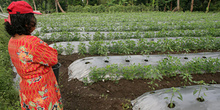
109, 95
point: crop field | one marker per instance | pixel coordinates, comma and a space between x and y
128, 25
80, 36
97, 28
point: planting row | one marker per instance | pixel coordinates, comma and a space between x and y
143, 46
130, 27
86, 19
87, 36
167, 67
81, 67
204, 96
74, 22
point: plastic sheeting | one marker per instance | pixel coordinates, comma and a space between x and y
156, 100
81, 67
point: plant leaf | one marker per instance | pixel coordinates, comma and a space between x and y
167, 90
180, 96
166, 98
195, 91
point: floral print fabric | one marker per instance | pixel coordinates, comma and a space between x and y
33, 60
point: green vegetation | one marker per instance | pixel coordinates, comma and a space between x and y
167, 67
200, 97
9, 96
138, 22
126, 34
185, 44
174, 90
98, 6
70, 36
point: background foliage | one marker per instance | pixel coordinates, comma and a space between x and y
48, 6
9, 97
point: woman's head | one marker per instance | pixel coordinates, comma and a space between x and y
21, 19
21, 24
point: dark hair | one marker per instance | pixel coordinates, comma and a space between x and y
20, 24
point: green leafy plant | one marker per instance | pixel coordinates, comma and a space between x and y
169, 66
200, 97
174, 91
9, 95
82, 49
201, 65
153, 74
126, 106
59, 48
69, 49
187, 77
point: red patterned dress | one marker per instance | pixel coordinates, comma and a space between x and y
33, 60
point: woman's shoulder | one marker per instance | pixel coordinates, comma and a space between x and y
30, 37
36, 41
33, 39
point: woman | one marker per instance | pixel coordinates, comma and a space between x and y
33, 60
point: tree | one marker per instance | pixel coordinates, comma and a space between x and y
207, 9
171, 6
191, 9
57, 3
178, 5
34, 5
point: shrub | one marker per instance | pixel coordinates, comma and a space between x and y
9, 97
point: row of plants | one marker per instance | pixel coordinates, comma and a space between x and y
154, 27
131, 27
68, 36
9, 96
172, 66
111, 9
144, 46
174, 90
73, 22
92, 20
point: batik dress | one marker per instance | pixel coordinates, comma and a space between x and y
33, 60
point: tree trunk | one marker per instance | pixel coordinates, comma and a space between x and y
171, 6
60, 7
87, 2
207, 9
192, 6
165, 7
178, 5
45, 6
56, 6
34, 6
1, 9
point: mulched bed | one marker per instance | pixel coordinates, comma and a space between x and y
109, 95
